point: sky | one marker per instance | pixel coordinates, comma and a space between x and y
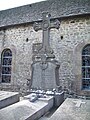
7, 4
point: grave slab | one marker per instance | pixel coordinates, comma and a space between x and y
26, 110
73, 109
8, 98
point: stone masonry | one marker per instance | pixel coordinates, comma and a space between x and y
20, 39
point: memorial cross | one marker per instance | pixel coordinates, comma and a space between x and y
45, 26
78, 103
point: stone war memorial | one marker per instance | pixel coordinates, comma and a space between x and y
45, 61
45, 69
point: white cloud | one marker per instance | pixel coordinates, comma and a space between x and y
6, 4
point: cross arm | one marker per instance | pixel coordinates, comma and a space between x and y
78, 103
37, 26
55, 24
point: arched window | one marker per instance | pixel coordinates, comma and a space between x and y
6, 62
86, 67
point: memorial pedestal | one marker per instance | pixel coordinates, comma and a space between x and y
45, 75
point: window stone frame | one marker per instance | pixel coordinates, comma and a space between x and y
13, 49
78, 69
3, 65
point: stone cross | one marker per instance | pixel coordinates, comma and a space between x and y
45, 26
78, 103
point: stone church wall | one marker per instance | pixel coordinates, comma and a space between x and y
20, 39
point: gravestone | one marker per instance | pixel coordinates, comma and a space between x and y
73, 109
8, 98
26, 110
45, 69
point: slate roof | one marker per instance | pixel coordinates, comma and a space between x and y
33, 12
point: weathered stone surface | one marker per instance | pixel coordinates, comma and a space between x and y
26, 110
45, 76
59, 98
8, 98
67, 44
73, 109
45, 71
73, 33
45, 26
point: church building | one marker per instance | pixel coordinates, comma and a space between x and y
70, 43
